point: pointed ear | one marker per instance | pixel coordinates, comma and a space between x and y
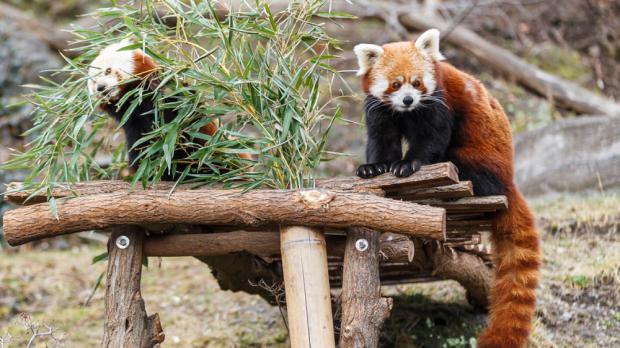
126, 42
367, 55
428, 43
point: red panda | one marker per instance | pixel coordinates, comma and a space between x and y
445, 114
116, 71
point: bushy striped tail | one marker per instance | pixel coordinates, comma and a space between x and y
517, 261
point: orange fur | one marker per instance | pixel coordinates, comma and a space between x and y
143, 64
398, 61
484, 142
487, 142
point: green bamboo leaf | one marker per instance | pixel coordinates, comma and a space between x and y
335, 15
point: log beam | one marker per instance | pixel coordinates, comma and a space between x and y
331, 209
363, 309
265, 244
468, 270
126, 323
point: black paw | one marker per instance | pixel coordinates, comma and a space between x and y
372, 169
405, 168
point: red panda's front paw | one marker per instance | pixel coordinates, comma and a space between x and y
371, 170
404, 168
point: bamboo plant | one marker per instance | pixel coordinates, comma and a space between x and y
264, 72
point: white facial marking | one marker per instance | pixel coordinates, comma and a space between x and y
406, 93
378, 87
367, 55
110, 69
429, 79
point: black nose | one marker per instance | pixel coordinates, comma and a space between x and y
408, 100
100, 88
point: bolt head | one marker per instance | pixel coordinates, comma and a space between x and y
361, 244
122, 242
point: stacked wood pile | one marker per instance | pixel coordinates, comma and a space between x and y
431, 229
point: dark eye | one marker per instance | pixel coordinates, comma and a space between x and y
416, 83
108, 71
396, 85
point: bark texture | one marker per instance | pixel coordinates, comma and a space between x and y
126, 321
460, 190
214, 244
427, 177
363, 308
224, 207
468, 270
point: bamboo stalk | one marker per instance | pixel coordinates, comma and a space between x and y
306, 282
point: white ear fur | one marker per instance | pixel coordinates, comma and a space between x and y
126, 42
367, 55
428, 43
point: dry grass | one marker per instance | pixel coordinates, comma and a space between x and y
53, 286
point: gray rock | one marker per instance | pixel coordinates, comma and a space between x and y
23, 56
569, 156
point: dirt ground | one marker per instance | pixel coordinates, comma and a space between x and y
579, 298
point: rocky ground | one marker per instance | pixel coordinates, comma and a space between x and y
579, 298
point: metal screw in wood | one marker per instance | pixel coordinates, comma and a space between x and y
361, 244
122, 242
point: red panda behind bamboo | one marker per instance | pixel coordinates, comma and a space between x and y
445, 114
116, 71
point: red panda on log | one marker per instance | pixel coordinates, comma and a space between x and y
116, 71
445, 114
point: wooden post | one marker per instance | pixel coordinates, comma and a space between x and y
306, 281
126, 322
363, 308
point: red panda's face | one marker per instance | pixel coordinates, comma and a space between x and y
400, 74
114, 67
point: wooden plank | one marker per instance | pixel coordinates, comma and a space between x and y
474, 239
470, 204
463, 224
462, 189
428, 176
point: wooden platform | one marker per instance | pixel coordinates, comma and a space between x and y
467, 218
433, 228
